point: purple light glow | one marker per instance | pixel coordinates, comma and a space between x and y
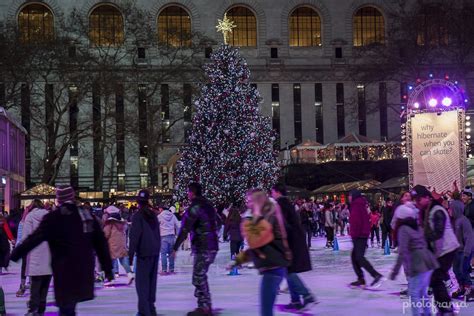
416, 105
447, 101
433, 102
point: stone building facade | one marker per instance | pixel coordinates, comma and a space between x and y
299, 53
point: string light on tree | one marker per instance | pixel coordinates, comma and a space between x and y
230, 148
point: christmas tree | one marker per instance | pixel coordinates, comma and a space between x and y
230, 148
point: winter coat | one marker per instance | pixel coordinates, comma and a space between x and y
274, 254
38, 261
359, 219
329, 219
19, 232
345, 214
145, 238
305, 216
462, 229
301, 261
374, 219
387, 216
7, 231
232, 229
169, 224
74, 238
469, 212
199, 220
413, 251
4, 248
115, 232
439, 232
404, 211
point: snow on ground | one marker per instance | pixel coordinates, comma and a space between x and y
238, 295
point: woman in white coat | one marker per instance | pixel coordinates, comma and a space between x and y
38, 262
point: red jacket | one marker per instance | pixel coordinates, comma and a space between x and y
7, 230
359, 219
374, 219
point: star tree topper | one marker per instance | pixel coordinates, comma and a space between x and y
225, 26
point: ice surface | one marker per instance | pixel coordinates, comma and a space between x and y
238, 295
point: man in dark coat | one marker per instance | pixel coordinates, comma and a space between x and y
200, 220
296, 241
145, 243
73, 236
359, 221
387, 215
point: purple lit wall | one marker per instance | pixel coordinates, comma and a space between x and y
12, 162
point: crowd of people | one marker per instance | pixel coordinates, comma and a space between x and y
433, 235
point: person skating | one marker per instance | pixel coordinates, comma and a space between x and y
329, 224
265, 233
462, 260
466, 197
115, 231
22, 289
169, 228
200, 220
73, 236
359, 222
442, 242
418, 263
145, 243
405, 209
306, 215
38, 262
5, 237
387, 215
301, 297
344, 218
232, 231
374, 227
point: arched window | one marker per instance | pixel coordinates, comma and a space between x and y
369, 27
245, 34
36, 23
174, 27
305, 27
106, 26
432, 27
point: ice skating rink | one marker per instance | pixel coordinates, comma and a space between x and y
238, 295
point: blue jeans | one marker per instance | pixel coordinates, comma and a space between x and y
297, 288
461, 266
167, 243
418, 292
269, 289
125, 262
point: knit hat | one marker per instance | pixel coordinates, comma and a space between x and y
467, 191
115, 216
420, 191
112, 209
355, 193
65, 193
143, 196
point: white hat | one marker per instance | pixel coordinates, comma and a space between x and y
112, 209
172, 209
